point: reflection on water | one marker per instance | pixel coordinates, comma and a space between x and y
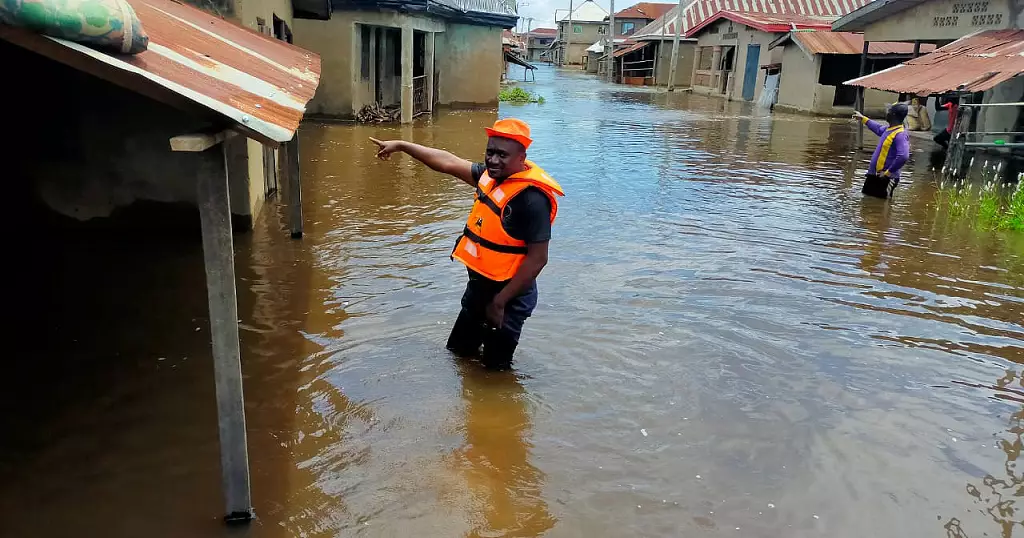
729, 336
495, 458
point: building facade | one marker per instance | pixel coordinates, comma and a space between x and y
816, 65
410, 57
579, 31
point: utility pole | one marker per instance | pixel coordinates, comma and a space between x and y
568, 40
559, 36
611, 40
675, 48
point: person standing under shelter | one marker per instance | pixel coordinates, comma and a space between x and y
504, 244
890, 155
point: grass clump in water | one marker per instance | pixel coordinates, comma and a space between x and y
515, 94
995, 207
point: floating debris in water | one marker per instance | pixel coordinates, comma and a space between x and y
643, 431
770, 505
698, 477
816, 516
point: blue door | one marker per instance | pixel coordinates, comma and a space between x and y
750, 73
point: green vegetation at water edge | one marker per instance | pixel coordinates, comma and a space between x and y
996, 206
516, 94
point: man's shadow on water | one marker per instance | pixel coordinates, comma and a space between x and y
494, 459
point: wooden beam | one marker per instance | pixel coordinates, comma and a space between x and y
219, 258
290, 170
199, 141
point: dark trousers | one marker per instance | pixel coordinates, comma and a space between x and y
879, 186
942, 139
471, 330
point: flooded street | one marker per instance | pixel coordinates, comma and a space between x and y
731, 341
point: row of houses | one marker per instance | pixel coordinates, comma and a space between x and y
809, 56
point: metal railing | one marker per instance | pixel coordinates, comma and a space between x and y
419, 95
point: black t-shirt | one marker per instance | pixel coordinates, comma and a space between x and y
527, 216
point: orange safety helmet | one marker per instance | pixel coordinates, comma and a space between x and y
512, 129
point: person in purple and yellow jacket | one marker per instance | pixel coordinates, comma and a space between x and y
890, 155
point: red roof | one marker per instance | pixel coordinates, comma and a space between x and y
544, 31
772, 23
199, 61
644, 10
696, 12
825, 42
974, 63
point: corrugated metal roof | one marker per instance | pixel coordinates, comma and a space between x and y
782, 22
259, 83
697, 11
974, 63
644, 10
632, 48
825, 42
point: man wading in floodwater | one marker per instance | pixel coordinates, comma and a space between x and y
505, 242
890, 155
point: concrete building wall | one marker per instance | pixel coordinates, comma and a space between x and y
940, 20
1002, 119
799, 89
578, 43
468, 59
103, 148
727, 33
684, 65
798, 85
470, 63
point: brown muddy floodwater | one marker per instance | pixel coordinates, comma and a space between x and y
731, 341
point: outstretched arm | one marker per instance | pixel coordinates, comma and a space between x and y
875, 126
436, 159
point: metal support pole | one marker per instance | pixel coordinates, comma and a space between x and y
611, 41
568, 40
917, 48
860, 93
674, 61
290, 165
219, 258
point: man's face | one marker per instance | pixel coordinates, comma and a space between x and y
504, 157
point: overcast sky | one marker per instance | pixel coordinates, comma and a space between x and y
543, 11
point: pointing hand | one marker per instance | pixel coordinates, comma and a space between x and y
386, 147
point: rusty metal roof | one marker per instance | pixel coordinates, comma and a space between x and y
696, 12
974, 63
825, 42
632, 48
203, 64
772, 23
644, 10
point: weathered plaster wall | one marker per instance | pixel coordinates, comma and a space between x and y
684, 67
102, 148
578, 43
469, 59
797, 88
942, 20
728, 33
343, 91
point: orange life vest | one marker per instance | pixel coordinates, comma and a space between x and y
485, 246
